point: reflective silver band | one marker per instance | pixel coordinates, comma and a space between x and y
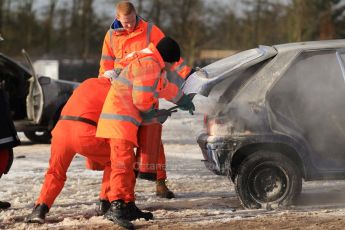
174, 78
107, 58
148, 33
109, 116
147, 89
6, 140
110, 31
124, 80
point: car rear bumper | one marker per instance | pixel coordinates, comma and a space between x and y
216, 153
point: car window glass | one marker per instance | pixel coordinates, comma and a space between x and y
310, 95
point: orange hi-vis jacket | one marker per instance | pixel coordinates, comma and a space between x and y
118, 43
136, 90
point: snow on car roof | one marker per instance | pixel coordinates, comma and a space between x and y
310, 45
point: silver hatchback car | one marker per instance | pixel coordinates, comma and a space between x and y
278, 117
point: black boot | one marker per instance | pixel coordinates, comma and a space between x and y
103, 207
38, 215
4, 205
119, 213
136, 213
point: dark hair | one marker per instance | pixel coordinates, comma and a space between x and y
169, 49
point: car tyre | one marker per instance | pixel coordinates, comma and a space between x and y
42, 137
267, 179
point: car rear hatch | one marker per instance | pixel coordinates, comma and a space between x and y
203, 80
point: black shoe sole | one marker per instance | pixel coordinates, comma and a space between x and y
122, 222
36, 220
146, 216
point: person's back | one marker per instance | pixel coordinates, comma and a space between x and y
87, 100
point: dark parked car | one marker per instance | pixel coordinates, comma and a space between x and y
35, 101
278, 118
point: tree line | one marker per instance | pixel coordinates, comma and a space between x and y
76, 28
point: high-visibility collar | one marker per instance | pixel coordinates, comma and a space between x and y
139, 28
151, 50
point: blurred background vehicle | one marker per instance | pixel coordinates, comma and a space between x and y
35, 101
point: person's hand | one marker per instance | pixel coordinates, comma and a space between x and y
148, 115
163, 114
185, 103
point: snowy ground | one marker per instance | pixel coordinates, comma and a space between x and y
203, 200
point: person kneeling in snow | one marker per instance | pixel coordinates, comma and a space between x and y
74, 133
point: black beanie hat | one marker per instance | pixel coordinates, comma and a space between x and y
169, 49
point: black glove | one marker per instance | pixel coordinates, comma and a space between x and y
185, 103
163, 114
148, 115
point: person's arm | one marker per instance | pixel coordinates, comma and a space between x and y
108, 57
170, 89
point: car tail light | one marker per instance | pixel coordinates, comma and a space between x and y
205, 121
218, 126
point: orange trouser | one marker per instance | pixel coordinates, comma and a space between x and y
122, 178
149, 140
69, 138
161, 164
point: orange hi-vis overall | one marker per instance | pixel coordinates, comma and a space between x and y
135, 91
74, 133
118, 43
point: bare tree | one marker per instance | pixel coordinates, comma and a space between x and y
48, 24
86, 21
2, 3
26, 15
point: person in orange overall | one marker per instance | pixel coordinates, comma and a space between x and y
129, 33
132, 98
75, 133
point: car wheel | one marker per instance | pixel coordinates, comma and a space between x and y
267, 179
42, 137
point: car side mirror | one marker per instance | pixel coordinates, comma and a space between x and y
44, 80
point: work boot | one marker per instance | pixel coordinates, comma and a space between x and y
103, 207
163, 191
38, 214
136, 213
119, 213
4, 205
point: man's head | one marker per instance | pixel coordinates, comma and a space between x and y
126, 14
169, 50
